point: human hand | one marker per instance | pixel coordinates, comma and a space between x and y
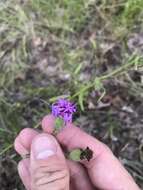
104, 170
52, 172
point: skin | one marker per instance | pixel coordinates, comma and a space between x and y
103, 171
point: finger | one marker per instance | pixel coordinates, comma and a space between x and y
24, 173
23, 146
23, 141
115, 174
69, 137
48, 123
79, 177
103, 166
48, 166
79, 174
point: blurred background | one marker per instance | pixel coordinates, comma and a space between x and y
88, 51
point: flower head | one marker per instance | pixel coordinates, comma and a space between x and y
64, 109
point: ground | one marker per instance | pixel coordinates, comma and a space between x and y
87, 51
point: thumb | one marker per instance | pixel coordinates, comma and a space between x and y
47, 164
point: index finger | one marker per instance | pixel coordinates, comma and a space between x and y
103, 167
73, 137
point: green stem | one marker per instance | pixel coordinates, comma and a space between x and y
37, 125
117, 72
11, 145
6, 149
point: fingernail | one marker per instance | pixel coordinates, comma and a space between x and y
43, 147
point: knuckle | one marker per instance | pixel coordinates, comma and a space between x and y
25, 131
42, 177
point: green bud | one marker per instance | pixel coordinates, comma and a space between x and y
59, 123
75, 154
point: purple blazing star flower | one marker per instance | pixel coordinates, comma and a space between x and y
63, 109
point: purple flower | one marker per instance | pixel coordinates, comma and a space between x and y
64, 109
